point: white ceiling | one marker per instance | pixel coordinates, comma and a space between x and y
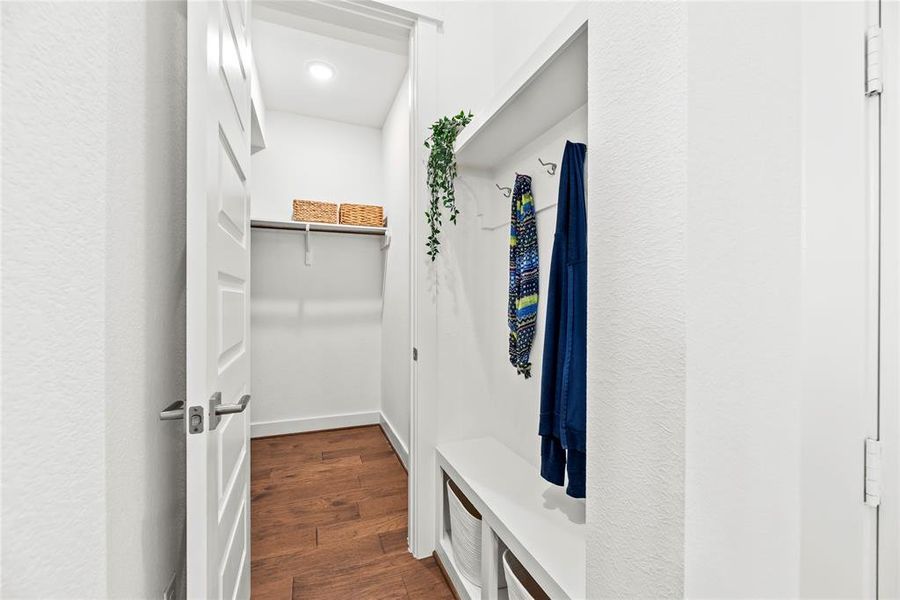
361, 92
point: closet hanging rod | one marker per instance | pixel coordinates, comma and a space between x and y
318, 227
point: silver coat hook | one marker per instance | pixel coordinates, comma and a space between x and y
506, 191
551, 166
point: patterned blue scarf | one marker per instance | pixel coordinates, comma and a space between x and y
523, 276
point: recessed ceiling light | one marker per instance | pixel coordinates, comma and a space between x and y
319, 70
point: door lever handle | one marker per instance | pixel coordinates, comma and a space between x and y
230, 409
172, 412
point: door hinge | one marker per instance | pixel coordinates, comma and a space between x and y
873, 61
415, 353
873, 473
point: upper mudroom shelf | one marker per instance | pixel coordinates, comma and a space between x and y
550, 86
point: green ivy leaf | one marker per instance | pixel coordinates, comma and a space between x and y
441, 172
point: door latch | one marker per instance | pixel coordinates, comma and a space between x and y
196, 423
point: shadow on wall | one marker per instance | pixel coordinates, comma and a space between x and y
146, 239
288, 293
164, 536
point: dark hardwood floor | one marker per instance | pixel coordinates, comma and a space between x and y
329, 520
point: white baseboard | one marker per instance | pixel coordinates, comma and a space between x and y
395, 441
287, 426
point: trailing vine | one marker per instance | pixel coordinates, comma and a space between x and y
441, 173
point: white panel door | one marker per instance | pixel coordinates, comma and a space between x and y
840, 301
218, 284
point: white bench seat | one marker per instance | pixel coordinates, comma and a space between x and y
540, 525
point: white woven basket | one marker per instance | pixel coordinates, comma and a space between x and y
515, 588
465, 537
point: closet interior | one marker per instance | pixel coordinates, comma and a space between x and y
330, 299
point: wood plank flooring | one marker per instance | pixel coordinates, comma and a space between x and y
329, 515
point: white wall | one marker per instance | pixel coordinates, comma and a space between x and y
395, 341
450, 372
315, 330
145, 297
93, 328
743, 328
636, 300
54, 484
519, 26
694, 302
726, 288
314, 159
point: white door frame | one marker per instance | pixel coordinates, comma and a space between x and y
423, 313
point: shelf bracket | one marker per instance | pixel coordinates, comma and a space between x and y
308, 247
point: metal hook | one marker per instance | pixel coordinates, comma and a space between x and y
551, 166
506, 191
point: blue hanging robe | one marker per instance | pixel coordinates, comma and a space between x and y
521, 308
563, 379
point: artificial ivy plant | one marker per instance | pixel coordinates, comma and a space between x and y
441, 173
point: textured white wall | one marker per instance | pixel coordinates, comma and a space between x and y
637, 264
744, 381
93, 282
698, 483
314, 159
395, 341
54, 390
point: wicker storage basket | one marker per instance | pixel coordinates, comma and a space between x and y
315, 212
519, 584
362, 214
465, 534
